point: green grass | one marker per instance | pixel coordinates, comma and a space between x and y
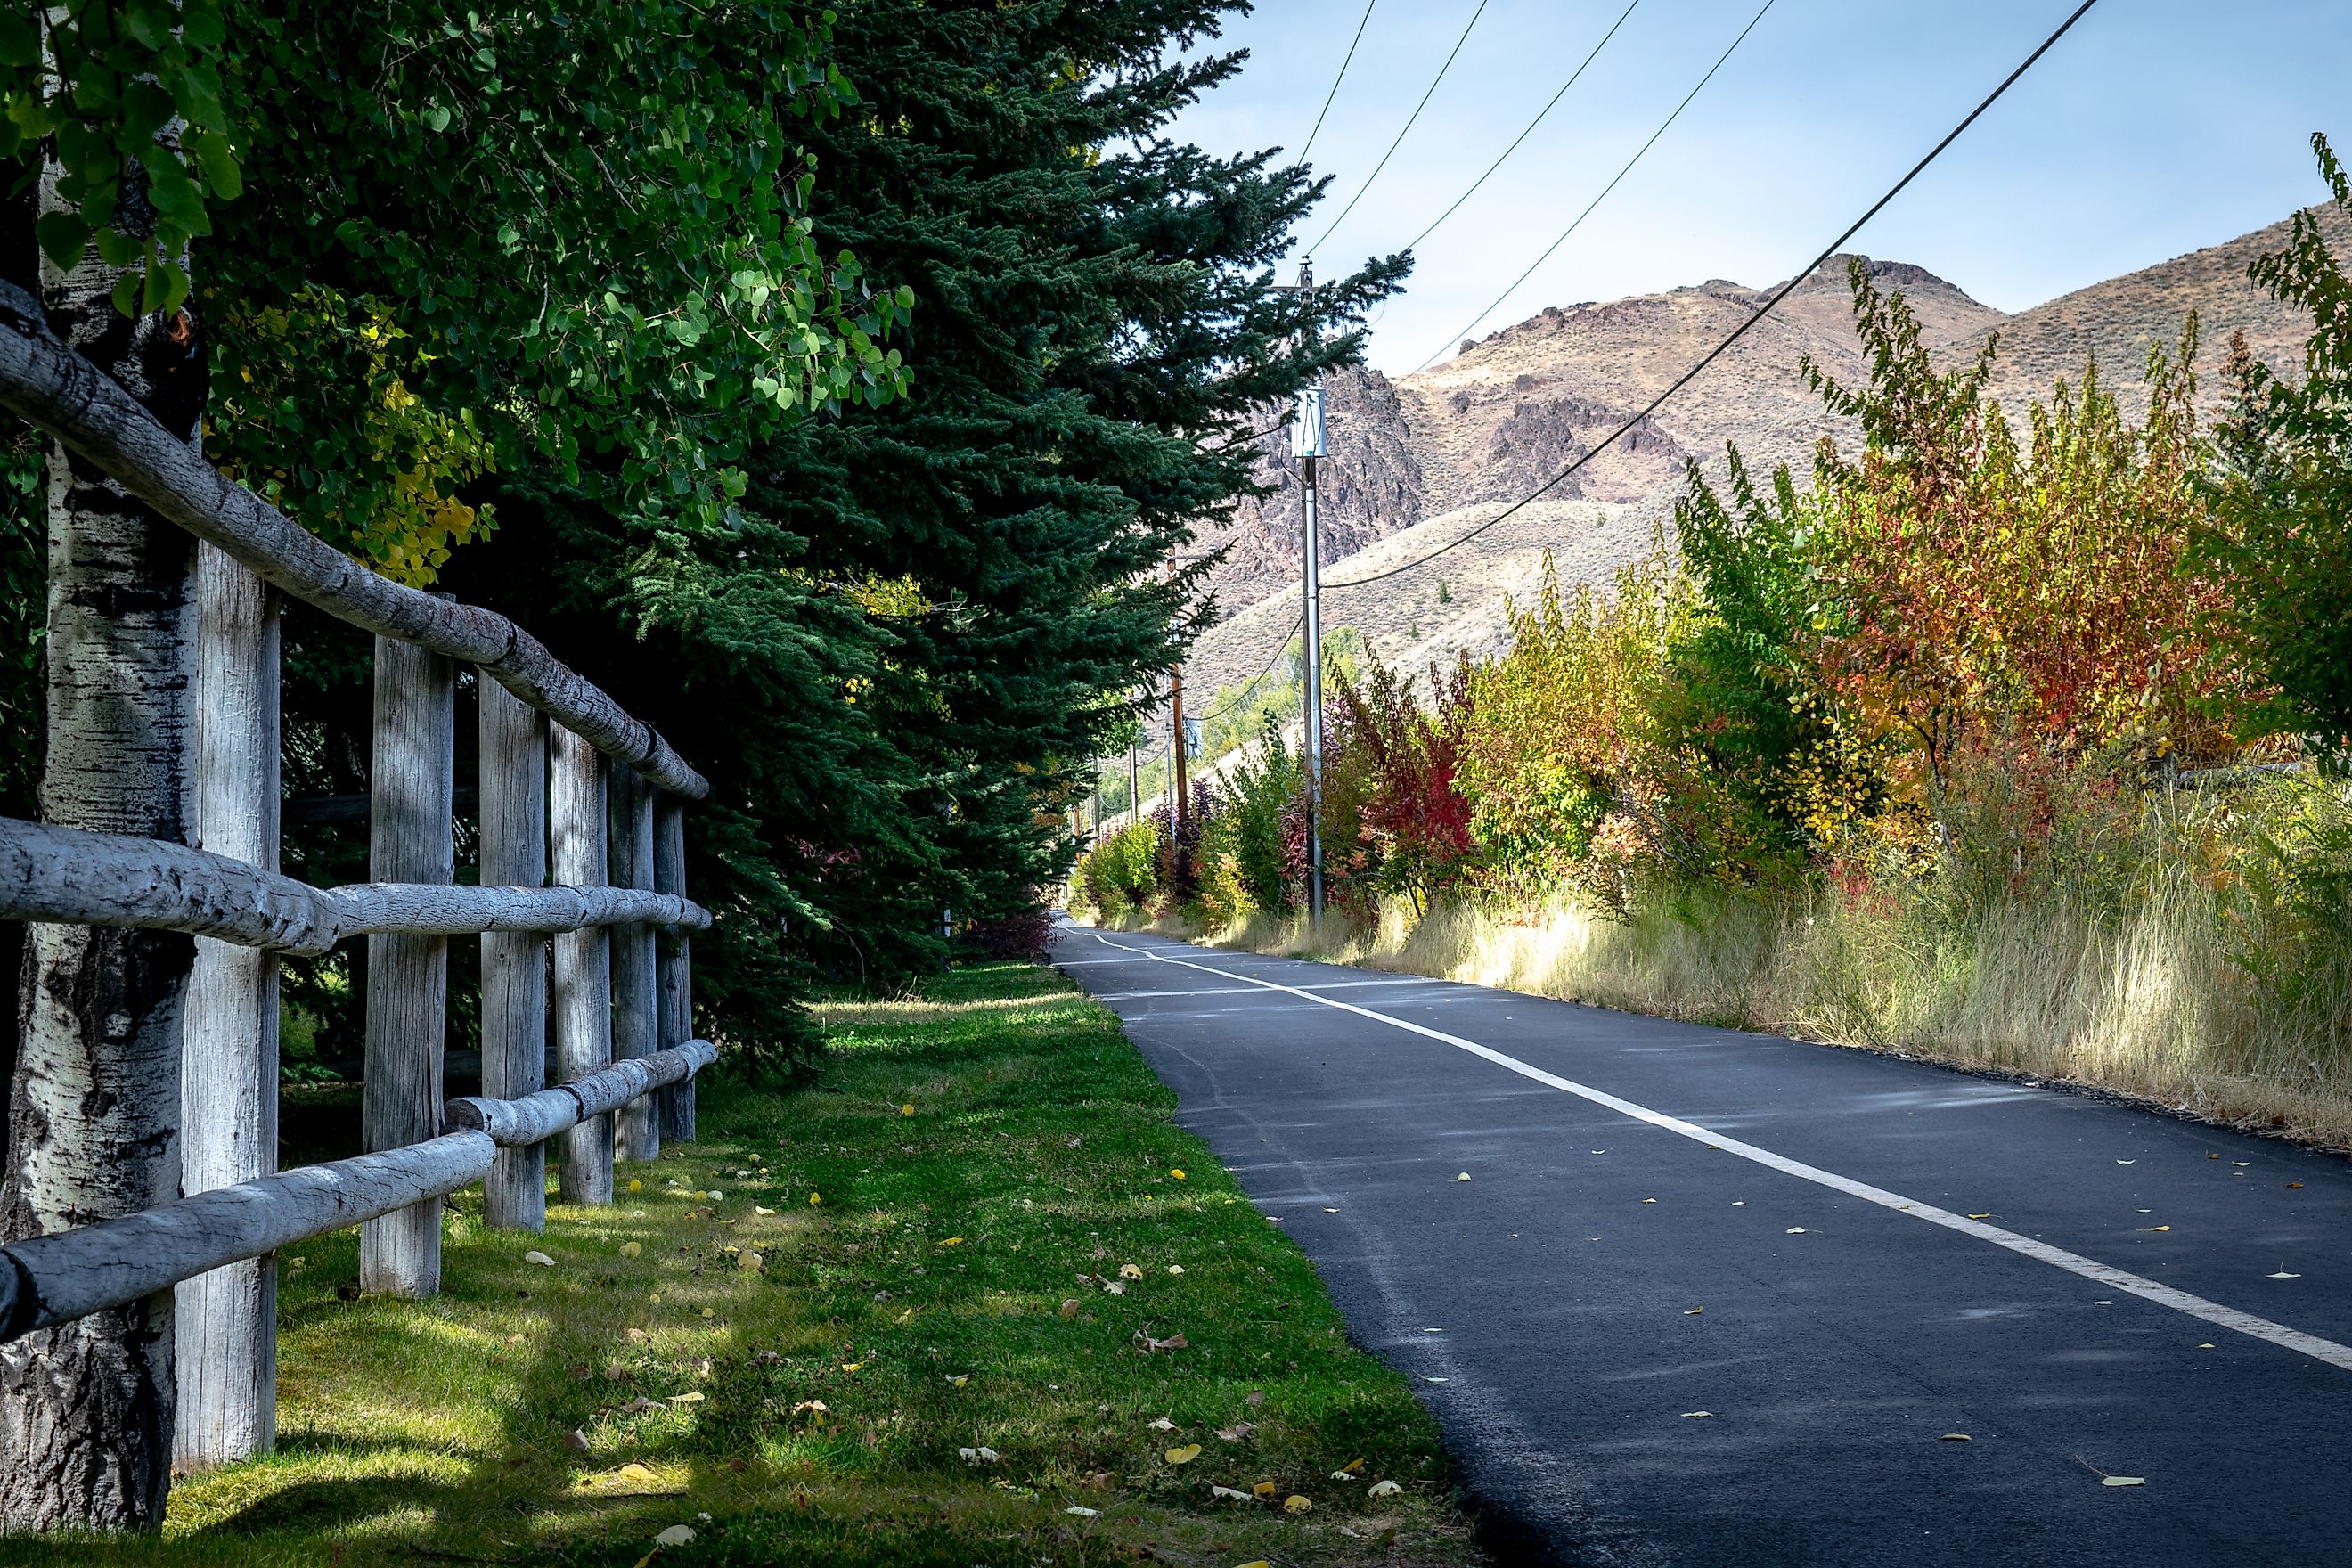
922, 1216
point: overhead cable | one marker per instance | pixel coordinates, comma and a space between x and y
1337, 80
1612, 185
1741, 331
1414, 243
1400, 135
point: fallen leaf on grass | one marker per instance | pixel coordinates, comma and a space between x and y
1178, 1175
751, 1263
807, 1407
1263, 1489
852, 1366
1069, 1308
906, 1110
632, 1249
977, 1456
1255, 1398
1175, 1269
1129, 1271
687, 1399
675, 1535
1115, 1288
1217, 1491
576, 1440
709, 1311
1183, 1456
1293, 1503
1341, 1475
1082, 1512
1162, 1424
958, 1380
1172, 1343
757, 1209
1238, 1432
542, 1259
1351, 1466
1384, 1488
640, 1405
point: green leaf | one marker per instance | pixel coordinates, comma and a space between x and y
62, 236
150, 22
217, 159
202, 25
20, 42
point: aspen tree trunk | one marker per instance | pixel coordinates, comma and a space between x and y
86, 1408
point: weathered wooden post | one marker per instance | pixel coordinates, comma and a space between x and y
674, 968
229, 1063
514, 794
409, 840
583, 1017
636, 1024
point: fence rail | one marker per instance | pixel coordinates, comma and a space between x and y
574, 791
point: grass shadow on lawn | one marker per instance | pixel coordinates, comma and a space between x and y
968, 1237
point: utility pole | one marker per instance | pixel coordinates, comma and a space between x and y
1134, 789
1306, 446
1177, 785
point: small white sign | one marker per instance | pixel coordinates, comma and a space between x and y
1306, 425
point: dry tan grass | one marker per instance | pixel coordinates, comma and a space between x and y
2149, 1004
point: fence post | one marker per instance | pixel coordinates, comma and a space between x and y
636, 1025
583, 1017
514, 794
228, 1363
674, 981
408, 976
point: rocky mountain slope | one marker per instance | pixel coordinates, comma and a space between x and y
1424, 457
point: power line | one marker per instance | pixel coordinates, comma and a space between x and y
1612, 185
1337, 80
1415, 242
1761, 312
1401, 134
1281, 646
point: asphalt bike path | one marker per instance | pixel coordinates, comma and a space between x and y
1715, 1297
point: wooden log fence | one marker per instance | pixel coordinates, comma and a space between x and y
582, 817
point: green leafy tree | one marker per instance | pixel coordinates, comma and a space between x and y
2283, 524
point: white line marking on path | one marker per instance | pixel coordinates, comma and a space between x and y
2089, 1268
1247, 990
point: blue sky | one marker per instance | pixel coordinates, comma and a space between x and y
2155, 128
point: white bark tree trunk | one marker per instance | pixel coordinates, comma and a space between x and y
86, 1408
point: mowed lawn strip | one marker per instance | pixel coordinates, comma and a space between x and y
916, 1313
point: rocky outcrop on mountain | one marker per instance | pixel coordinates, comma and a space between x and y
1371, 487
